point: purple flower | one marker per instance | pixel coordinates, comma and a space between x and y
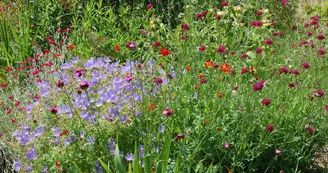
56, 131
66, 65
38, 132
111, 146
56, 140
28, 168
31, 154
123, 118
81, 134
44, 169
141, 151
91, 140
18, 165
161, 129
129, 157
98, 167
67, 141
74, 60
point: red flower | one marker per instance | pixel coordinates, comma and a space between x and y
269, 128
17, 104
117, 48
164, 52
320, 93
258, 86
57, 164
71, 47
225, 68
208, 64
320, 37
84, 85
266, 102
9, 111
4, 85
63, 132
309, 128
54, 110
158, 81
13, 120
60, 84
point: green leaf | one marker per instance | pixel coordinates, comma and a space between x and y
103, 164
118, 162
136, 166
77, 169
164, 156
176, 168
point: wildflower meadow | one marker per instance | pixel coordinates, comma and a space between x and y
178, 86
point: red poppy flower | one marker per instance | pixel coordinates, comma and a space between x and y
71, 47
164, 52
117, 48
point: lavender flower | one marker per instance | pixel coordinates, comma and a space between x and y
44, 169
31, 154
28, 168
98, 167
111, 146
91, 140
129, 157
18, 165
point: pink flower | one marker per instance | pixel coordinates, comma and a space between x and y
326, 107
179, 137
284, 2
258, 86
84, 85
266, 101
128, 78
269, 128
54, 110
131, 45
227, 145
149, 6
278, 152
167, 112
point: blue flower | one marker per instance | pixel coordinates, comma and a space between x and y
18, 165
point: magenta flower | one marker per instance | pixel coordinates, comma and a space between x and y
221, 49
158, 81
305, 65
224, 3
259, 50
54, 110
321, 52
131, 45
278, 152
268, 41
184, 26
84, 85
149, 6
284, 2
266, 101
258, 86
128, 78
283, 70
244, 55
156, 44
179, 137
167, 112
244, 70
320, 37
259, 13
309, 128
227, 145
60, 84
202, 80
202, 48
320, 93
269, 128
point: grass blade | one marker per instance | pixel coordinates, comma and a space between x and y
164, 156
118, 162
